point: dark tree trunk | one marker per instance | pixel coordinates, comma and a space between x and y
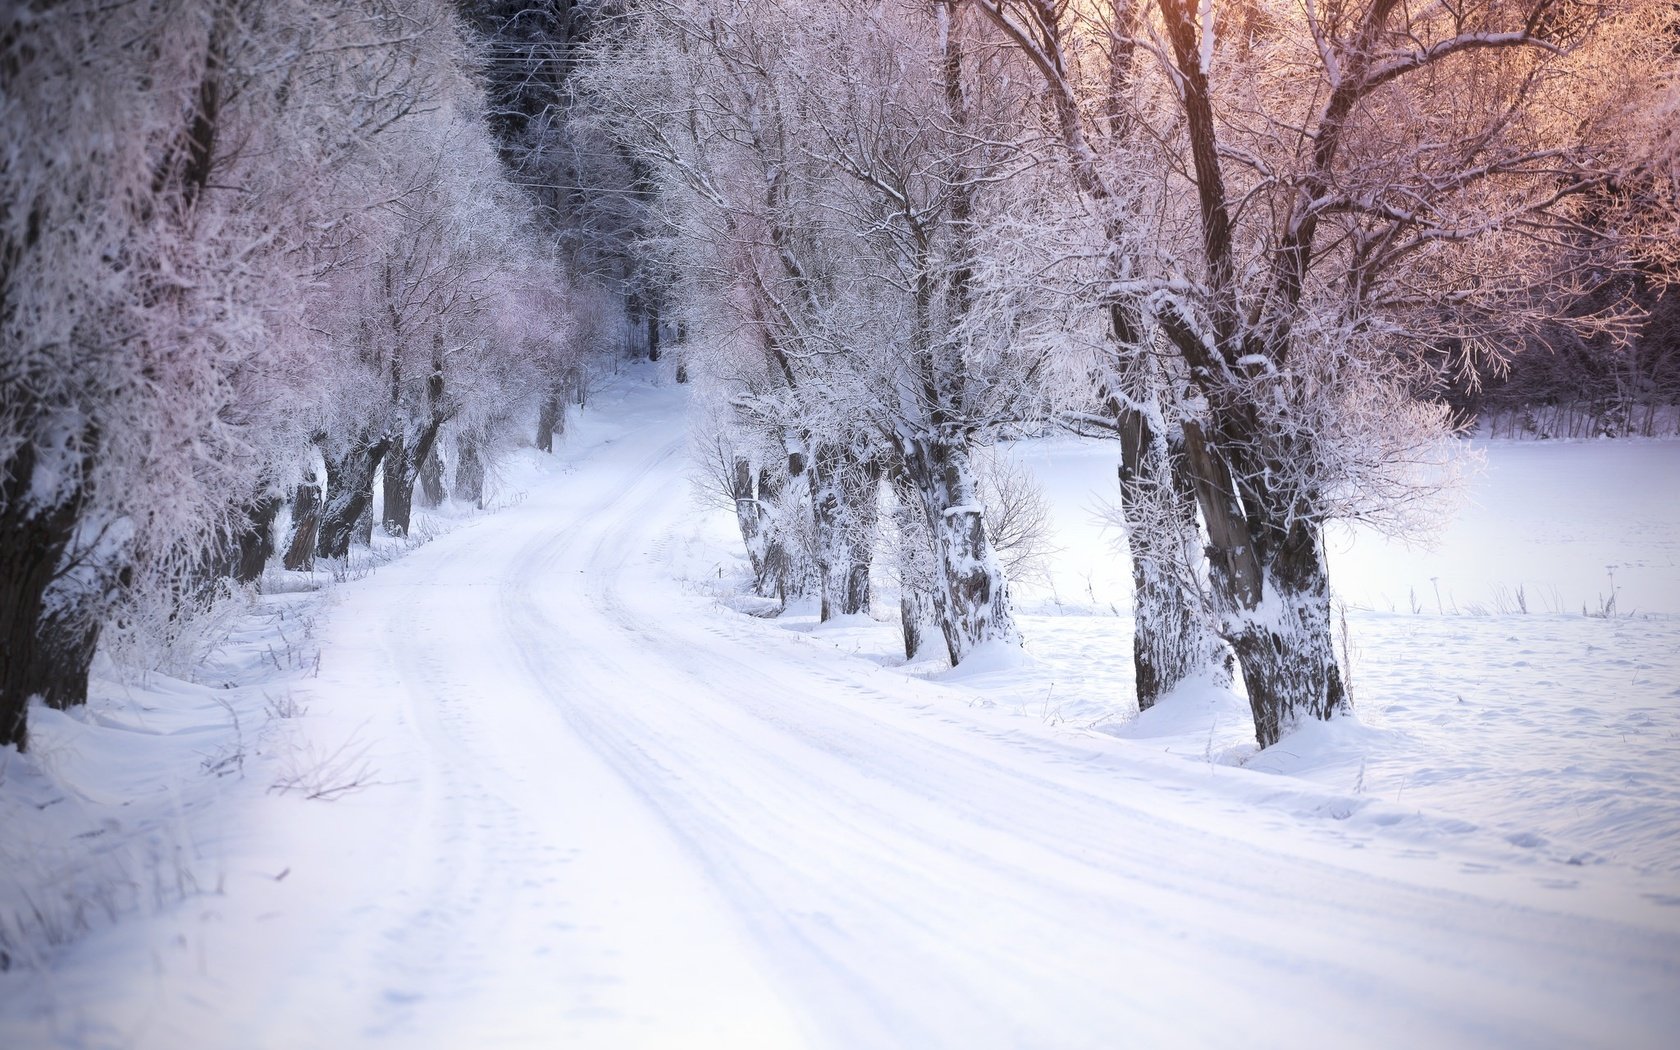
833, 530
1286, 649
363, 534
551, 416
918, 603
432, 492
32, 544
398, 497
469, 470
780, 569
787, 563
1173, 635
404, 464
349, 498
83, 589
653, 330
306, 526
253, 543
781, 574
911, 621
1273, 594
64, 647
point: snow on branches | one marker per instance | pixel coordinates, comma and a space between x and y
229, 229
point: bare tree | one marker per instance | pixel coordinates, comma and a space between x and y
1364, 177
827, 180
1086, 61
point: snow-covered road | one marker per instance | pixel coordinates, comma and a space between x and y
616, 815
644, 822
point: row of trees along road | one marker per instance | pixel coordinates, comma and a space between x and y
251, 254
1247, 239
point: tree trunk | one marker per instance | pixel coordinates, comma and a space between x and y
919, 614
469, 470
363, 534
81, 593
64, 645
834, 538
244, 553
785, 521
306, 525
432, 492
974, 592
32, 543
1273, 595
399, 490
1173, 635
912, 620
778, 575
749, 518
843, 511
349, 498
551, 416
1287, 651
861, 491
404, 465
253, 543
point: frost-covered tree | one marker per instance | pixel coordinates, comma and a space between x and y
828, 172
1365, 176
1085, 61
138, 290
434, 312
187, 186
758, 260
1301, 204
930, 140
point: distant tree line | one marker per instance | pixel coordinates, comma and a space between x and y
1561, 383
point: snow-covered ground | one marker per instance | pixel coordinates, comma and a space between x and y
1493, 679
567, 796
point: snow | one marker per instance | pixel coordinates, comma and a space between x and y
1571, 523
596, 805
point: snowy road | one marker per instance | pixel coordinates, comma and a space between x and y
626, 818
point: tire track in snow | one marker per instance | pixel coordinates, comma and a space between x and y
541, 907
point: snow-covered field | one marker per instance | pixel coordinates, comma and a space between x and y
538, 783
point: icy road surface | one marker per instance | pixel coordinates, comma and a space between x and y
614, 815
